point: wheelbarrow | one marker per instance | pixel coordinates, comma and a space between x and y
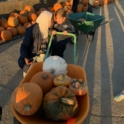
87, 26
83, 101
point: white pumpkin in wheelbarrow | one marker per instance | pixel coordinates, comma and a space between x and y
55, 65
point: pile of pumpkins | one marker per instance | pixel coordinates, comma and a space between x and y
50, 93
18, 22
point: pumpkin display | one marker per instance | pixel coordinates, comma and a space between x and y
22, 18
32, 16
96, 3
27, 98
4, 24
57, 6
62, 80
79, 7
13, 14
1, 29
55, 65
29, 8
44, 80
78, 87
21, 29
12, 21
27, 24
6, 35
60, 104
13, 30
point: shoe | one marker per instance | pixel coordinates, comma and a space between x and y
119, 97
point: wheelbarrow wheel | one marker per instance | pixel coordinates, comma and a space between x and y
15, 121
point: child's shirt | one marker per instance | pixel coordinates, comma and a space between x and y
66, 25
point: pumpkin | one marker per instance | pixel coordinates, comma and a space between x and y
4, 24
84, 2
1, 29
57, 6
44, 80
71, 2
84, 8
101, 3
21, 29
32, 16
62, 80
33, 22
13, 14
96, 3
13, 30
27, 98
79, 7
29, 8
60, 104
6, 35
27, 24
22, 18
2, 20
25, 12
78, 87
12, 21
55, 65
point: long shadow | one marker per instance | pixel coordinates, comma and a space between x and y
105, 74
118, 37
6, 90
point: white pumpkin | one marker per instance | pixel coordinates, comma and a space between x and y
55, 65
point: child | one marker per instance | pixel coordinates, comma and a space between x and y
62, 25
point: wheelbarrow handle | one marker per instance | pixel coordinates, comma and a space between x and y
61, 33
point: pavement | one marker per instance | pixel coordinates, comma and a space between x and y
102, 59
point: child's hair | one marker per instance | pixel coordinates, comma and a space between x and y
61, 12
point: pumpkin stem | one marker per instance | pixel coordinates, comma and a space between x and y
67, 101
44, 76
27, 107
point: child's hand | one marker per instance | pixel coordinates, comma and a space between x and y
53, 32
27, 61
65, 32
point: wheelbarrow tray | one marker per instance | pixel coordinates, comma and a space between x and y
92, 22
83, 101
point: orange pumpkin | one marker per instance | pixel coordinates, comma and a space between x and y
13, 14
71, 2
4, 24
29, 8
6, 35
96, 3
78, 87
79, 7
1, 29
44, 80
84, 8
22, 18
32, 16
27, 98
21, 29
12, 21
12, 30
84, 2
25, 12
57, 6
60, 104
27, 24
